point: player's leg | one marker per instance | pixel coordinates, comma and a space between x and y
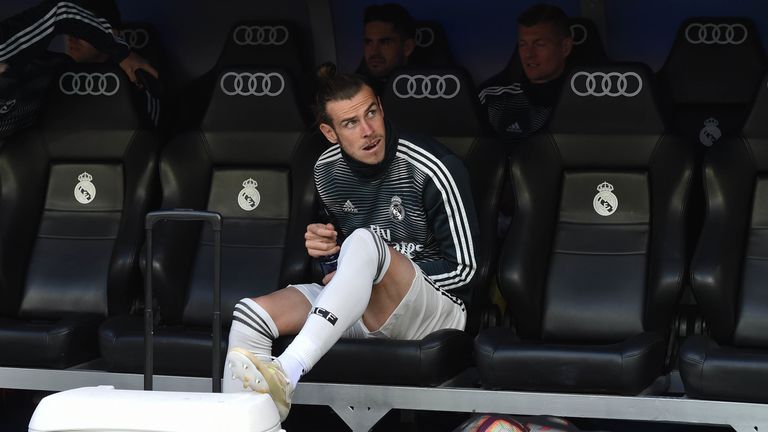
424, 309
257, 322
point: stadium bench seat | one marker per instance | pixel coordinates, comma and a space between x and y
594, 259
728, 272
74, 195
251, 161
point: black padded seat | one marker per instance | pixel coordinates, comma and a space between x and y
252, 43
144, 40
711, 77
441, 355
74, 195
728, 270
593, 262
432, 47
265, 43
588, 48
251, 162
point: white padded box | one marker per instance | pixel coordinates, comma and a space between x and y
103, 408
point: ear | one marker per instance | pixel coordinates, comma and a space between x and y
408, 46
567, 46
329, 133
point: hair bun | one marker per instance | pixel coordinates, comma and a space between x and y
326, 71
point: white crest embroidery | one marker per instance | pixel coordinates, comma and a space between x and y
249, 198
710, 133
85, 191
396, 209
605, 202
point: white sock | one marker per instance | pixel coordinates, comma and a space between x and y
363, 260
252, 329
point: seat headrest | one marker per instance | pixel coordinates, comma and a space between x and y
609, 99
264, 43
432, 47
92, 96
144, 40
756, 125
438, 101
587, 44
714, 60
252, 98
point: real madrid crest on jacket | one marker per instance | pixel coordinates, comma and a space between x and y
417, 199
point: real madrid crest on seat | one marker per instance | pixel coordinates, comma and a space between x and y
249, 198
605, 202
85, 179
85, 191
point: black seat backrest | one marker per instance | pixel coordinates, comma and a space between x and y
728, 268
446, 93
252, 163
143, 39
80, 184
432, 47
265, 43
252, 43
588, 46
711, 76
595, 251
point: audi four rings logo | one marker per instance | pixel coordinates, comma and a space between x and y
136, 38
252, 84
578, 34
260, 35
425, 37
611, 84
89, 84
426, 86
716, 34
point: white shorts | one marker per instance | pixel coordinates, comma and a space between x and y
423, 310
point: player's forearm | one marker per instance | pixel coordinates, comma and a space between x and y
26, 35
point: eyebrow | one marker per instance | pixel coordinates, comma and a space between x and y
344, 120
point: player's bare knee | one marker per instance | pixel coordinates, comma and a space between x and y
400, 272
287, 307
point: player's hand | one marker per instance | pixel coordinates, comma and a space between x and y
320, 240
134, 62
327, 278
3, 67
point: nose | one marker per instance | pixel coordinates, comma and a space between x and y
366, 128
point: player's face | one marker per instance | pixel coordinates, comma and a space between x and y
358, 126
542, 52
83, 52
384, 49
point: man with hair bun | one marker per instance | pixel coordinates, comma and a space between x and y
400, 230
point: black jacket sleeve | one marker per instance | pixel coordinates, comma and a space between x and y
451, 214
25, 36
